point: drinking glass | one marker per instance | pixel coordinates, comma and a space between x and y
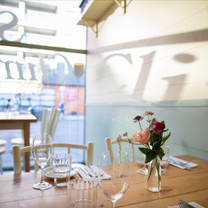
42, 151
116, 164
144, 169
15, 104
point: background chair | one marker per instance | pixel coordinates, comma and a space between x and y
46, 114
2, 142
49, 121
17, 151
2, 151
109, 143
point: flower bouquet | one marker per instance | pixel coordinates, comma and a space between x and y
152, 139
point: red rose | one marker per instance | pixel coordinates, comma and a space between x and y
157, 127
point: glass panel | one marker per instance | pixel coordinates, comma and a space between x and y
50, 23
42, 78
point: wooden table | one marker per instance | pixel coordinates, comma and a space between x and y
19, 121
177, 184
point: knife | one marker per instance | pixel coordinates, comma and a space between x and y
186, 204
83, 170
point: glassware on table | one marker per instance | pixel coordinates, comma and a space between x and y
62, 168
164, 161
116, 164
144, 169
82, 193
15, 104
42, 151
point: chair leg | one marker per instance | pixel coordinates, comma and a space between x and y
1, 166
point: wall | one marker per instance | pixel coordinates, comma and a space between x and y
153, 58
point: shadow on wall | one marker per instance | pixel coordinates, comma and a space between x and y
103, 69
184, 58
188, 37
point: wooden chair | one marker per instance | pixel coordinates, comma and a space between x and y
50, 117
46, 116
109, 143
52, 123
2, 150
17, 151
2, 142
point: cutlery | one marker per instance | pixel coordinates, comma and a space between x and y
180, 164
83, 170
183, 204
96, 174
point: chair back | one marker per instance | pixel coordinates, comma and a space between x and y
17, 151
109, 143
46, 114
53, 121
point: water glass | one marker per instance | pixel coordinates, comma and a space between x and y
164, 161
82, 193
62, 169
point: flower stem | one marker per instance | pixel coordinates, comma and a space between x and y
140, 125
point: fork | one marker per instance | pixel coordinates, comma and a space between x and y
181, 205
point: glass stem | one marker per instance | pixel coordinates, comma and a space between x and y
114, 204
42, 174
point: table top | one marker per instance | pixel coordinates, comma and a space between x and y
17, 118
190, 186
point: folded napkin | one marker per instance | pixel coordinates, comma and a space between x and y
194, 204
179, 163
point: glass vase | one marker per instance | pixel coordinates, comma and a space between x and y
154, 175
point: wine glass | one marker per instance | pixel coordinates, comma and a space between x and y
42, 151
116, 164
144, 169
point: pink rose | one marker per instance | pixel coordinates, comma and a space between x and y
157, 127
141, 136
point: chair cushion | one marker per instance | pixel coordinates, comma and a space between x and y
2, 142
2, 150
20, 141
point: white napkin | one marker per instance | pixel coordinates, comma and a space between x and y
97, 170
189, 164
194, 204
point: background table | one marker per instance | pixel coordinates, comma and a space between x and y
177, 184
19, 121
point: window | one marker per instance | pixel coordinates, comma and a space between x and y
40, 45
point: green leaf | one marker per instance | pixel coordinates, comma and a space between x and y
157, 145
163, 122
153, 137
165, 130
160, 153
166, 138
149, 156
144, 150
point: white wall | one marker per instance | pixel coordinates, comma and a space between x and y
153, 54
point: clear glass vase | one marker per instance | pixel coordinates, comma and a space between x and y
154, 175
